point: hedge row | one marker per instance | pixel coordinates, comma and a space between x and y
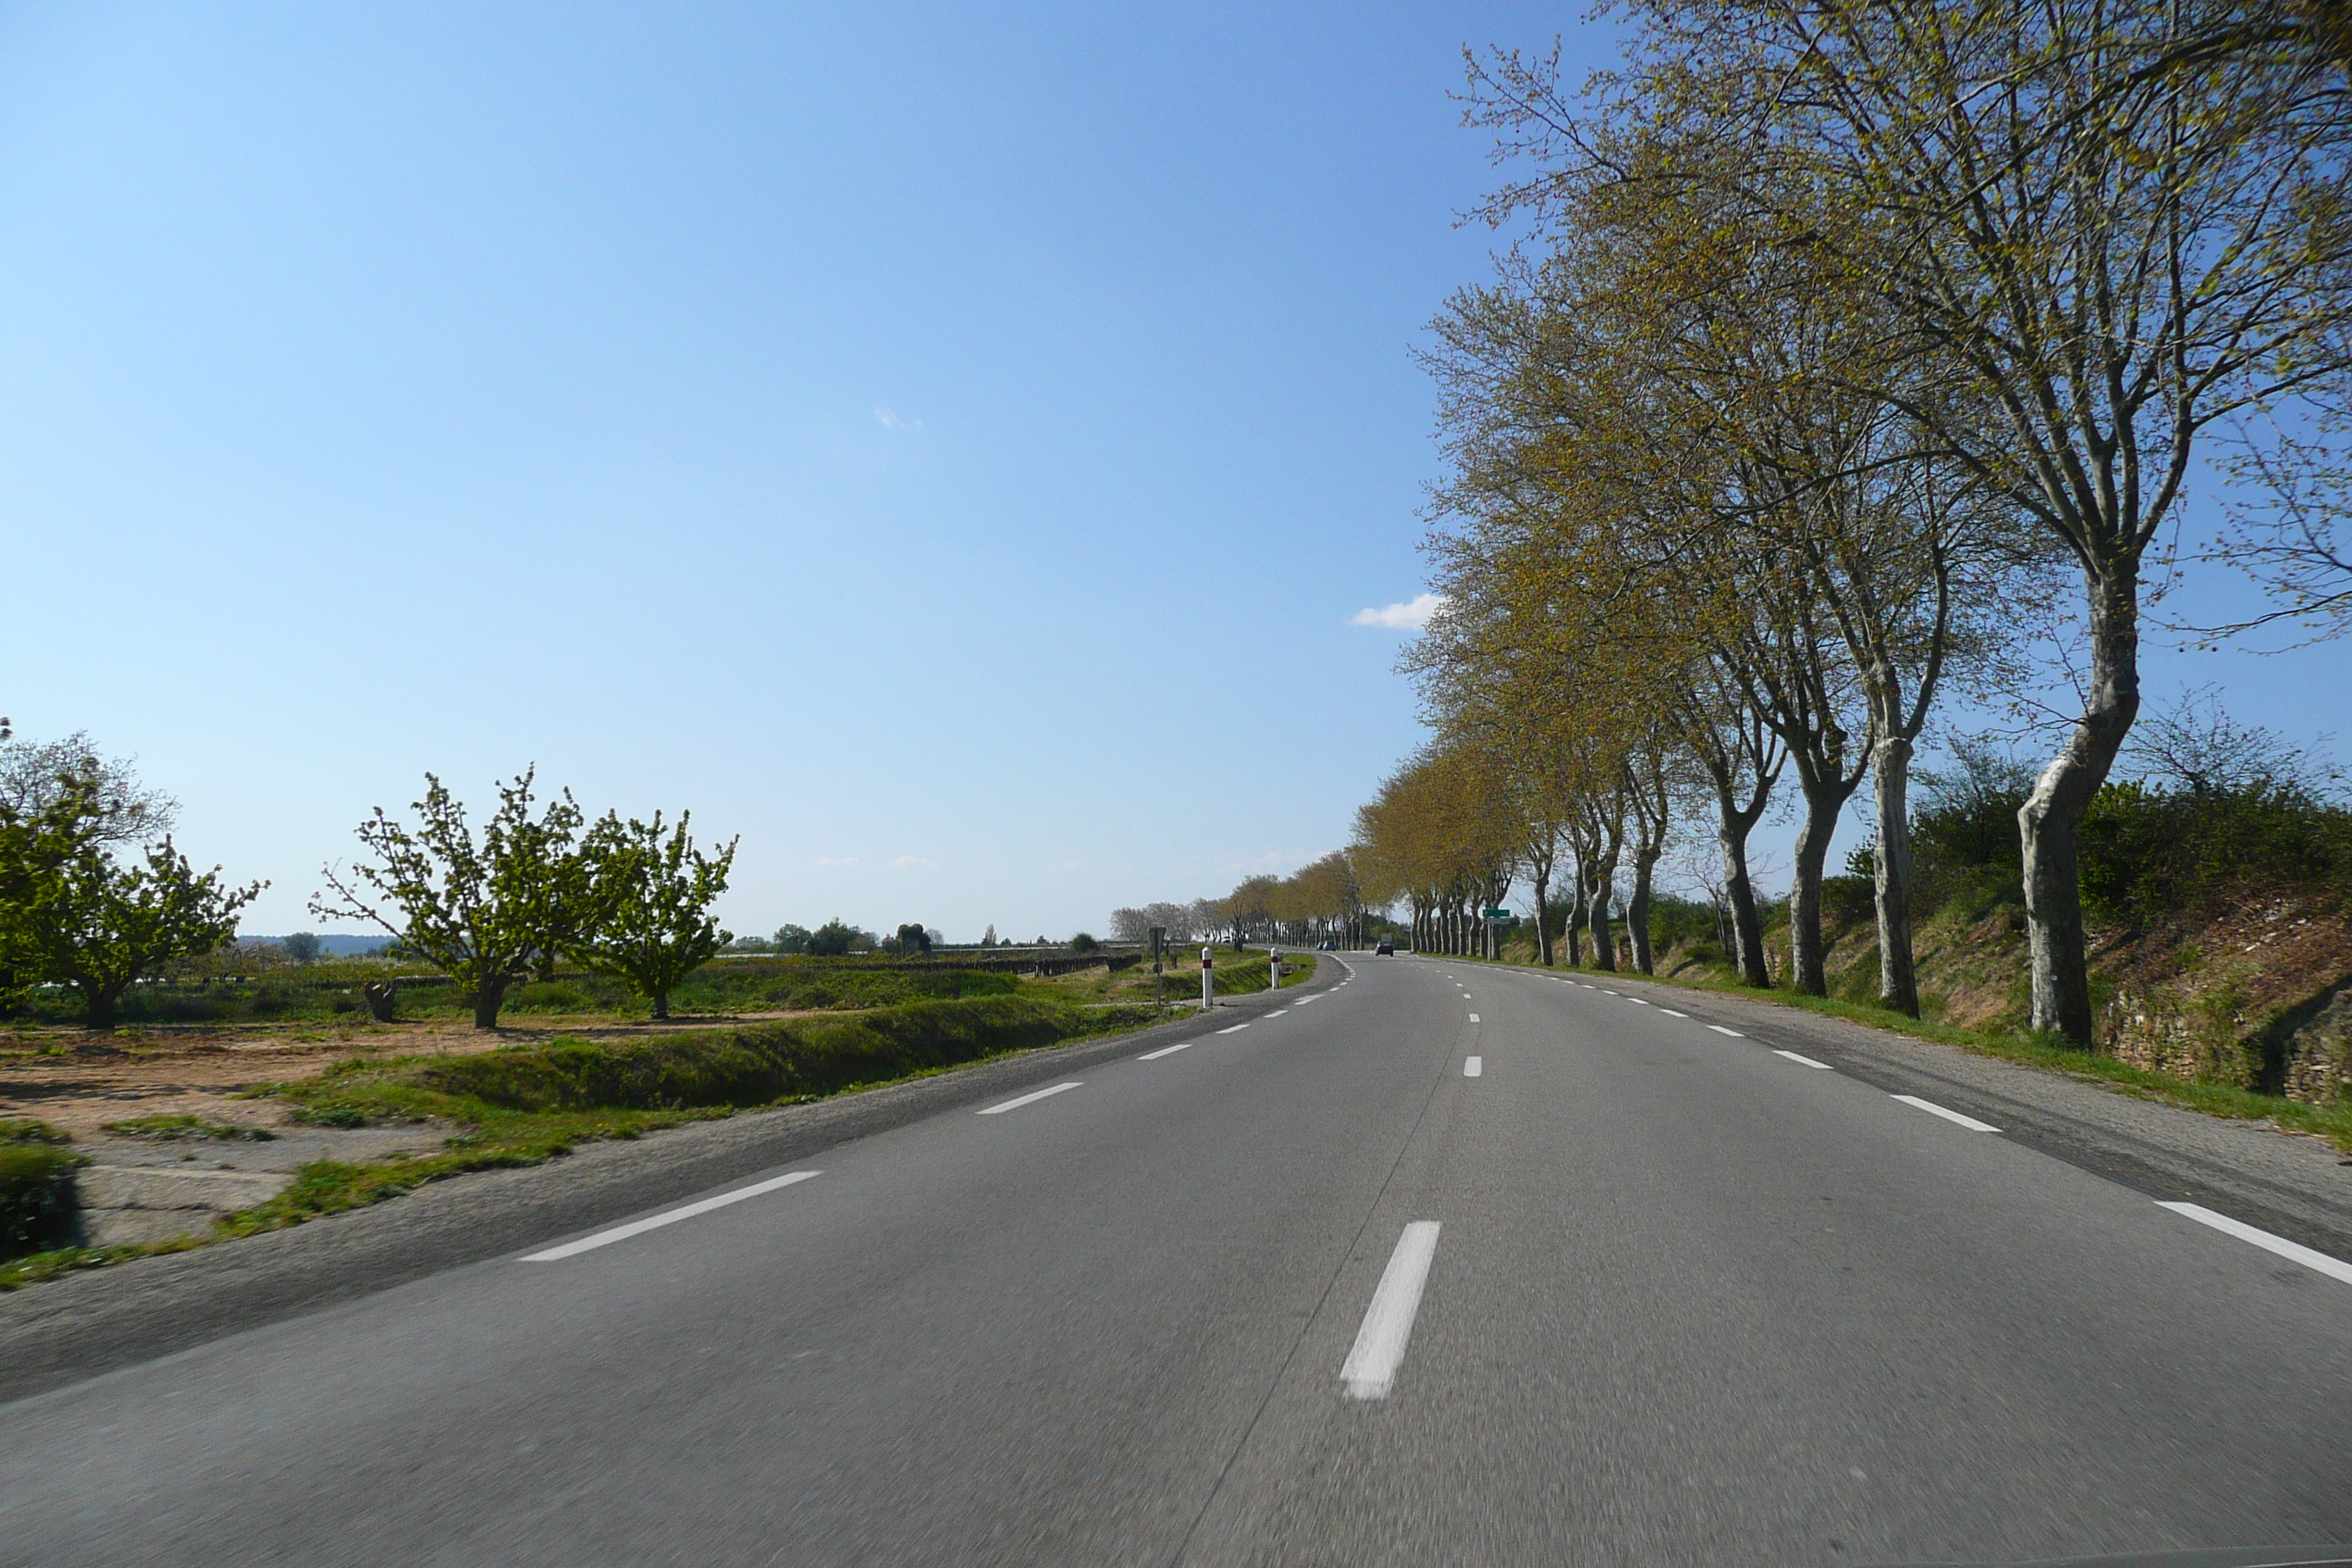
766, 1062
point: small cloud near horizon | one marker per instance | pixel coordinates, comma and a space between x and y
891, 419
1409, 616
908, 862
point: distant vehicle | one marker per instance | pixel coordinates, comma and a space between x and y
1387, 948
1328, 946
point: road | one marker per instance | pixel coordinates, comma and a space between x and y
1444, 1264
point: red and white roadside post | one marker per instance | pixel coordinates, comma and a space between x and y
1208, 992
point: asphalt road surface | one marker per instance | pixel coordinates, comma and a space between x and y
1444, 1264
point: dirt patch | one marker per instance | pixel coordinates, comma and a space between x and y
81, 1083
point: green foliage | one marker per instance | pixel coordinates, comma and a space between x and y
36, 1196
835, 939
97, 925
656, 927
303, 947
2150, 852
483, 914
791, 939
1084, 942
26, 1130
765, 1062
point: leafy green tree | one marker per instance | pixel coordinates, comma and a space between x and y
99, 925
909, 940
791, 938
659, 929
832, 939
303, 947
481, 913
40, 836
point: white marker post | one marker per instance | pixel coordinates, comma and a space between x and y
1208, 963
1273, 969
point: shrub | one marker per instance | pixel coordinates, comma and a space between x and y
766, 1062
36, 1197
2149, 852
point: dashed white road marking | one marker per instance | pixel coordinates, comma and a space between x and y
1277, 1013
654, 1222
1721, 1030
2334, 1268
1236, 1029
1971, 1123
1637, 1001
1370, 1369
1474, 1017
1473, 1066
1001, 1106
1670, 1013
1802, 1061
1167, 1050
1606, 992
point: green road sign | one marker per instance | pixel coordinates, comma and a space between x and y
1498, 914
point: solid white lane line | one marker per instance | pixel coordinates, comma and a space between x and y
1802, 1061
2334, 1268
1721, 1030
1236, 1029
1003, 1105
1372, 1365
1971, 1123
1167, 1050
1474, 1017
654, 1222
1473, 1066
1670, 1013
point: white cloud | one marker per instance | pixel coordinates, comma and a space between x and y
891, 419
1409, 616
909, 862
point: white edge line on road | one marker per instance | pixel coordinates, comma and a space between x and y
1167, 1050
2334, 1268
671, 1217
1971, 1123
1721, 1030
1474, 1017
1473, 1066
1802, 1061
1001, 1106
1372, 1365
1670, 1013
1236, 1029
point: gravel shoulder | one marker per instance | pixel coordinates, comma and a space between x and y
94, 1321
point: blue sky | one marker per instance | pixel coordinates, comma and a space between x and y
945, 446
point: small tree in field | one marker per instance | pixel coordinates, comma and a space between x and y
99, 925
479, 912
659, 930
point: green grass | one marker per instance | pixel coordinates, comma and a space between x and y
2048, 1054
189, 1127
328, 992
524, 1105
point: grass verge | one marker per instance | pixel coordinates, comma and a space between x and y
525, 1105
2331, 1123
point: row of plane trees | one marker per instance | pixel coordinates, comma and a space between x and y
1856, 357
